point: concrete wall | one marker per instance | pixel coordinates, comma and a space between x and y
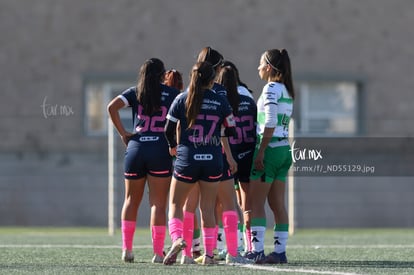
51, 172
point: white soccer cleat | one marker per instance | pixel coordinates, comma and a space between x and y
237, 260
127, 256
176, 247
187, 260
157, 259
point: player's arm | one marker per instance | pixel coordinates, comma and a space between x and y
170, 131
229, 156
113, 110
228, 130
270, 109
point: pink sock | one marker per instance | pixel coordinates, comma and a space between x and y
175, 226
158, 238
230, 220
188, 229
209, 240
128, 230
249, 239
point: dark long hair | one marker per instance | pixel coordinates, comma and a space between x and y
239, 82
279, 61
227, 77
149, 85
210, 55
201, 75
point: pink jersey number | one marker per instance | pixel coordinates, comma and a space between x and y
242, 133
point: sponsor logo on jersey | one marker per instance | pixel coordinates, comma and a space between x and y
148, 138
243, 154
203, 156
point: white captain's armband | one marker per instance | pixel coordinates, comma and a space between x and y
173, 119
229, 121
229, 126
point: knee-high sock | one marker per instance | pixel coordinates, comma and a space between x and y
158, 239
128, 230
209, 239
230, 230
281, 234
188, 229
196, 240
175, 226
240, 235
258, 227
248, 239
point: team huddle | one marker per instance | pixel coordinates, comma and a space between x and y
210, 147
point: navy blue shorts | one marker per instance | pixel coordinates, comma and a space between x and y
244, 161
142, 158
192, 166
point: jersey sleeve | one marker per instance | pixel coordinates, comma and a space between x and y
271, 96
174, 111
128, 96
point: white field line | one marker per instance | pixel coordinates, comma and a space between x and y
314, 246
297, 270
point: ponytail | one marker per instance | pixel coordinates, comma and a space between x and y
228, 78
201, 75
287, 73
149, 85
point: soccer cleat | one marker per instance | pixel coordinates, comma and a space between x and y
127, 256
199, 259
258, 257
187, 260
276, 258
157, 259
221, 255
207, 260
196, 254
176, 247
237, 260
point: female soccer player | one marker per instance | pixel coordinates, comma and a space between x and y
272, 158
226, 199
202, 115
147, 156
243, 143
215, 58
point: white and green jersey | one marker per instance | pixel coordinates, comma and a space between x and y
274, 109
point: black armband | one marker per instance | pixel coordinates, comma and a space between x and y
169, 133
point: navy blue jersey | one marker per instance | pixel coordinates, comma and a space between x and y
246, 120
149, 128
214, 112
219, 89
199, 154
